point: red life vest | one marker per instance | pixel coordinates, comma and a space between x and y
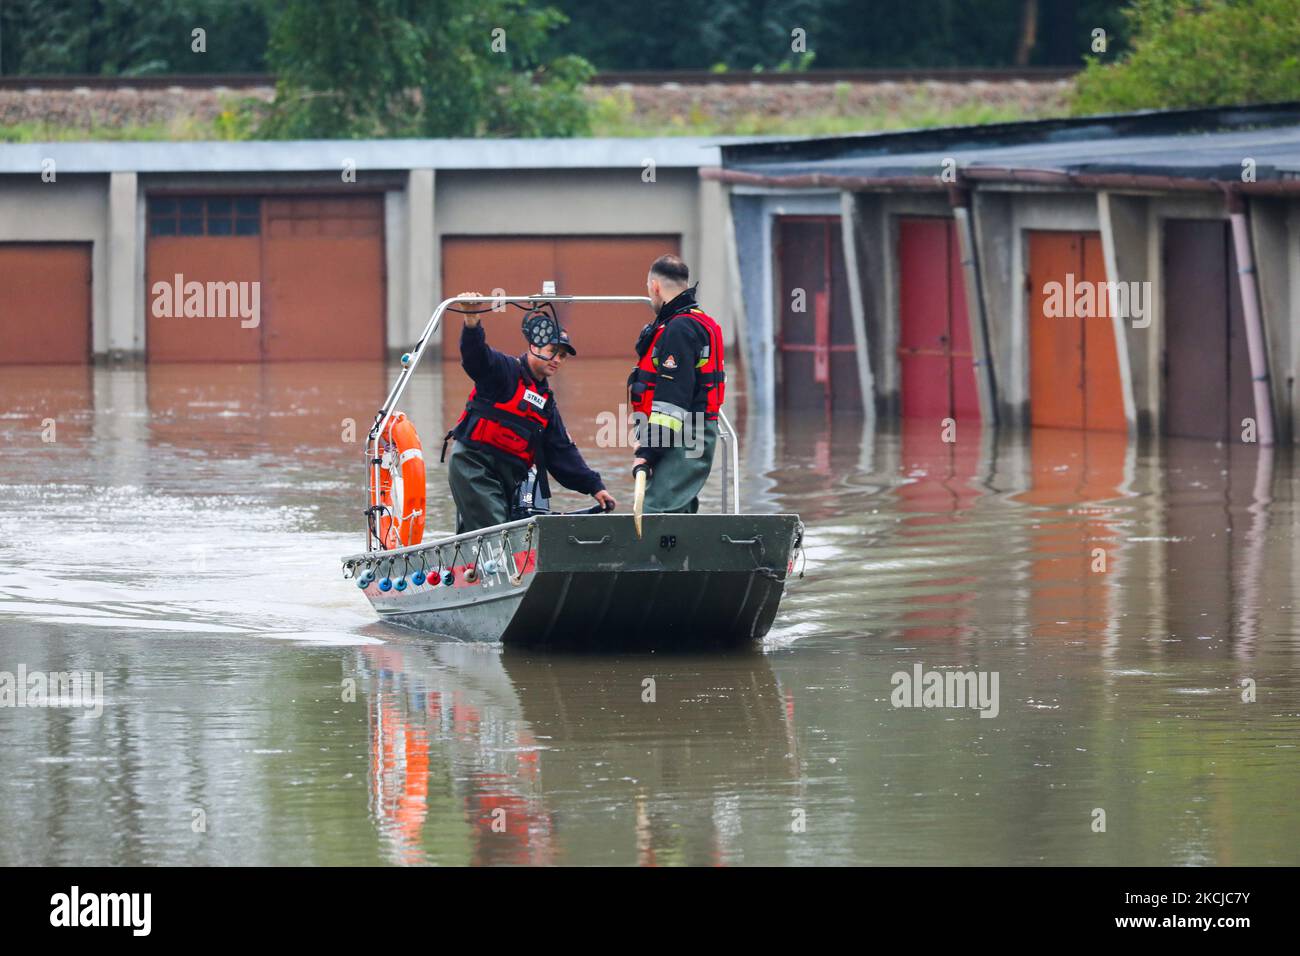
513, 427
710, 371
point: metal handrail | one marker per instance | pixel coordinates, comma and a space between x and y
411, 360
728, 435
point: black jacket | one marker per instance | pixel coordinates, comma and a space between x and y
678, 349
495, 376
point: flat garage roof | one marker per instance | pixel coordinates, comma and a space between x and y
372, 154
1200, 144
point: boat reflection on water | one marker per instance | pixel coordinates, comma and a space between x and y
473, 749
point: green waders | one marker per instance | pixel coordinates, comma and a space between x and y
482, 485
678, 478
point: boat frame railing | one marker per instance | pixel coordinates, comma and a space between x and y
411, 361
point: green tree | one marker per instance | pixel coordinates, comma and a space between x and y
126, 37
841, 34
1209, 53
359, 68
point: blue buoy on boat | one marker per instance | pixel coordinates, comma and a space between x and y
418, 578
400, 584
448, 579
386, 584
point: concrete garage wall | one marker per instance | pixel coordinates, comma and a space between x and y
876, 283
1291, 315
1276, 245
753, 272
70, 209
710, 264
996, 246
1125, 240
413, 266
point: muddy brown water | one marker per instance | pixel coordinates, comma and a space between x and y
180, 536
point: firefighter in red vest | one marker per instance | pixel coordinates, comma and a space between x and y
676, 391
511, 423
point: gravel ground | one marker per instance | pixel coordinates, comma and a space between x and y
728, 102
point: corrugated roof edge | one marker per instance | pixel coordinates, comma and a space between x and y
1061, 129
200, 156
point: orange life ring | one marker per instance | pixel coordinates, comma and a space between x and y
402, 491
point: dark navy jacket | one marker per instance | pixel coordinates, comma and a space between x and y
495, 375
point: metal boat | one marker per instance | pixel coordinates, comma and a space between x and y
582, 580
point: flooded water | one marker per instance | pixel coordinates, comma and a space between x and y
180, 535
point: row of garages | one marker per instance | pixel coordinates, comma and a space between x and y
919, 274
255, 252
923, 274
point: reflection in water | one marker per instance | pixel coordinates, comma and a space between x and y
1076, 478
180, 533
507, 730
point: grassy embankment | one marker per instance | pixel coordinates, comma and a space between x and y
707, 111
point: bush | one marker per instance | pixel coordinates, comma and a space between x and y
1187, 53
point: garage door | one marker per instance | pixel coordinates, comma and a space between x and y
587, 265
324, 266
934, 350
817, 347
1207, 366
250, 279
1074, 379
44, 303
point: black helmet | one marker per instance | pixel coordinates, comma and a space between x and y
542, 328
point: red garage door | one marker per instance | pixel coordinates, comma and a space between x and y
44, 303
587, 265
934, 350
249, 279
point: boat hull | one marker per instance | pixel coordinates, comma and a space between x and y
588, 582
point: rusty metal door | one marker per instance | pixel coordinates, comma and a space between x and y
203, 240
815, 341
324, 295
1207, 367
45, 303
580, 265
934, 350
1074, 379
308, 270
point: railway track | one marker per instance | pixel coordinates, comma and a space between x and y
236, 81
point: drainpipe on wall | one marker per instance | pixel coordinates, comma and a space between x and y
1250, 310
985, 382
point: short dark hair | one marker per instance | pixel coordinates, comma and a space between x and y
672, 268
